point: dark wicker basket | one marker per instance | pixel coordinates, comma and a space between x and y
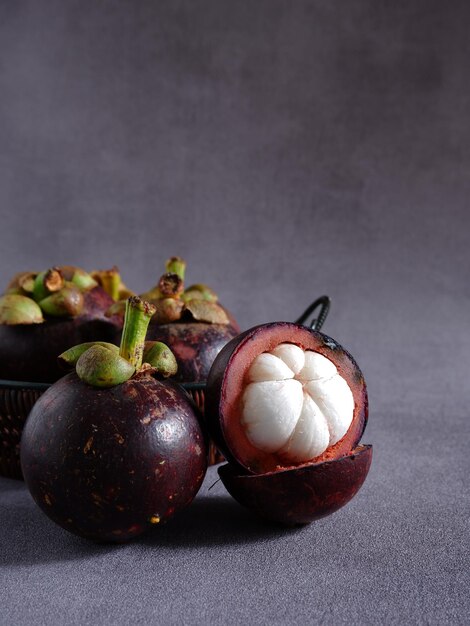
17, 400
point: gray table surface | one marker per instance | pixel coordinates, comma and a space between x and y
287, 149
398, 553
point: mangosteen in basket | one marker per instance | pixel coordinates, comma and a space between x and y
44, 313
190, 321
109, 450
287, 406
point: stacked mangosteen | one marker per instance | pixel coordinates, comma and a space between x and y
44, 313
117, 446
191, 321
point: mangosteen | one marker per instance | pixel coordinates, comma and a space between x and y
113, 448
287, 406
44, 313
189, 320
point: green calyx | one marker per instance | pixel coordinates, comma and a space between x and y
101, 364
18, 310
83, 280
57, 292
69, 358
68, 302
167, 310
100, 367
47, 282
173, 303
159, 356
203, 311
26, 282
199, 292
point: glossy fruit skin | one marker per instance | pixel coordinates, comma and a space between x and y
194, 344
107, 464
225, 386
300, 495
29, 352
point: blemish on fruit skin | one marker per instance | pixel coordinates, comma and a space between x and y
146, 421
119, 438
88, 445
47, 499
155, 519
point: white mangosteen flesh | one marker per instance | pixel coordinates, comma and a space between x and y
295, 404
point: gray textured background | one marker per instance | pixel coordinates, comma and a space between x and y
286, 149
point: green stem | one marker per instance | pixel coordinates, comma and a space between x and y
111, 282
176, 265
170, 286
136, 321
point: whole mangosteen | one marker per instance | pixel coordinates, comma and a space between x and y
44, 313
109, 451
287, 406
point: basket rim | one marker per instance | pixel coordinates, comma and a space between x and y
20, 384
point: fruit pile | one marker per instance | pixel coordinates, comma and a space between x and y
117, 445
189, 320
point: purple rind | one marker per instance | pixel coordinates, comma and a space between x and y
107, 464
301, 495
29, 352
194, 344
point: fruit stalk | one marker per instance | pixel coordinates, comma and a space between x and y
137, 317
176, 265
111, 282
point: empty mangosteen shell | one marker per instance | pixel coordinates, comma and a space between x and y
194, 344
107, 464
29, 352
303, 494
227, 380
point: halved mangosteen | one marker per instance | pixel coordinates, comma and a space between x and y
287, 405
300, 496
